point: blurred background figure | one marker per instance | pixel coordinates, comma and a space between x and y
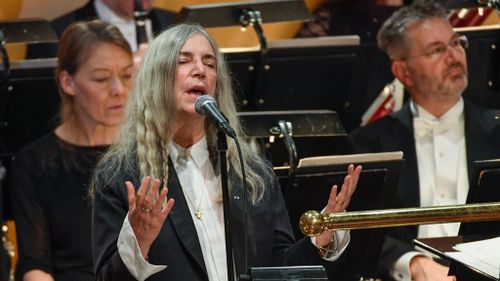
132, 17
49, 177
345, 17
121, 14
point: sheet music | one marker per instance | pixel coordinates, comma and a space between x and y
483, 255
350, 158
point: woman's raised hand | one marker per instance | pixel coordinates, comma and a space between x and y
148, 209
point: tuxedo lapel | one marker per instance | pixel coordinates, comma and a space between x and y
476, 130
182, 221
409, 182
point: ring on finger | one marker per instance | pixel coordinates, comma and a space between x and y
146, 210
338, 202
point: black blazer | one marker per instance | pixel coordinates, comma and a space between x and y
395, 132
270, 242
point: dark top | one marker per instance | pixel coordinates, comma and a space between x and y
394, 133
271, 241
51, 208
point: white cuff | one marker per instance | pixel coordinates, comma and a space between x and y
400, 271
131, 255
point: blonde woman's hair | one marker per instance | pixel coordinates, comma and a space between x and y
143, 141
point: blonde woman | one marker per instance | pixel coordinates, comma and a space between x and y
138, 232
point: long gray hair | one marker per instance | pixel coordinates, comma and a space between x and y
144, 136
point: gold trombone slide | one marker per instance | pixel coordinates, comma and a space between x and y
313, 223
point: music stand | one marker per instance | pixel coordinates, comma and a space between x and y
275, 127
483, 188
32, 31
229, 14
245, 14
30, 100
483, 87
282, 82
292, 273
25, 82
376, 189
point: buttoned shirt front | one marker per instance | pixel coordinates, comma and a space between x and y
442, 171
126, 26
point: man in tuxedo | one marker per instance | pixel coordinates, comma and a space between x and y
119, 13
440, 133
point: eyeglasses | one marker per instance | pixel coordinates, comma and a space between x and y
457, 43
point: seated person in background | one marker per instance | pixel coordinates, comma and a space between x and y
166, 143
440, 133
347, 17
50, 176
119, 13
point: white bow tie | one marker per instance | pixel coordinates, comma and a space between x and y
426, 127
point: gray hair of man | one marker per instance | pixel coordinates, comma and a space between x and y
143, 139
392, 37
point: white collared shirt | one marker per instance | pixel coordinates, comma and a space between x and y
442, 173
201, 189
126, 26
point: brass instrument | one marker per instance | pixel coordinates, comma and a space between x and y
313, 223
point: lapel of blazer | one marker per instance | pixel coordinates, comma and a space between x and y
238, 226
409, 183
182, 221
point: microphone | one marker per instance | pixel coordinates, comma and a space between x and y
206, 105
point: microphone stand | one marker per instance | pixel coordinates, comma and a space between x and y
222, 148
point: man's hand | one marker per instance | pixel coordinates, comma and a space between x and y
426, 269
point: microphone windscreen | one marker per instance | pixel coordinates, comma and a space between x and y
200, 102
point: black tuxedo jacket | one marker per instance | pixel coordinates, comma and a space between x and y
270, 242
160, 19
394, 133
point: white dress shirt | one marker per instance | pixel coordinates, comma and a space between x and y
442, 171
201, 189
196, 173
126, 26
